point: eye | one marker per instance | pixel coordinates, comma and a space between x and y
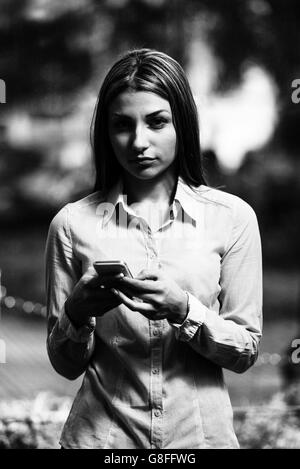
158, 122
121, 124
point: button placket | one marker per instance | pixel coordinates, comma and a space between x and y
156, 383
151, 248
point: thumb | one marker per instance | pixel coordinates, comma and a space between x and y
147, 274
91, 277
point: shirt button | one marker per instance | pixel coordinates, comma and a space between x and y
155, 371
155, 332
157, 413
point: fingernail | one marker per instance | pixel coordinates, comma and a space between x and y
114, 290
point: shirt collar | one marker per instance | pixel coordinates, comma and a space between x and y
184, 195
115, 197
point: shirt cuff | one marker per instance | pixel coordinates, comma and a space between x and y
194, 319
81, 334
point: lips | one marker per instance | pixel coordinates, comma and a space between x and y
143, 160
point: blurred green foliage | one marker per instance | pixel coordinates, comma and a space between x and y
37, 424
53, 56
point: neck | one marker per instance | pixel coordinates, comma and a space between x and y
159, 190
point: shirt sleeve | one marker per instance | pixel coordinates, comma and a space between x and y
230, 337
69, 349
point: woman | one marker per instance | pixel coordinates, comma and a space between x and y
152, 347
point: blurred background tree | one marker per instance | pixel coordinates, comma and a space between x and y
53, 57
241, 57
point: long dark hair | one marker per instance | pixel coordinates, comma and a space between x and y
156, 72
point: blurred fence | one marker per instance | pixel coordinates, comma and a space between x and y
34, 309
23, 331
25, 369
20, 305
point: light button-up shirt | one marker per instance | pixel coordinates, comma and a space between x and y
156, 384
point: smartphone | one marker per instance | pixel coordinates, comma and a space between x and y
108, 268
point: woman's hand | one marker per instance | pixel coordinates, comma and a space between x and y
162, 297
91, 296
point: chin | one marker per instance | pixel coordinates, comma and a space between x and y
146, 177
146, 174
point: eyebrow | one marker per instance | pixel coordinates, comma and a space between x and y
152, 114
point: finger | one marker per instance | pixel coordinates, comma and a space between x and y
90, 277
147, 297
133, 305
105, 293
108, 277
111, 280
89, 274
149, 274
147, 286
105, 281
132, 294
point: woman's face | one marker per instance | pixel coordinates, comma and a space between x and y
142, 133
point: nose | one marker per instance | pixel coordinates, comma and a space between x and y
140, 141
